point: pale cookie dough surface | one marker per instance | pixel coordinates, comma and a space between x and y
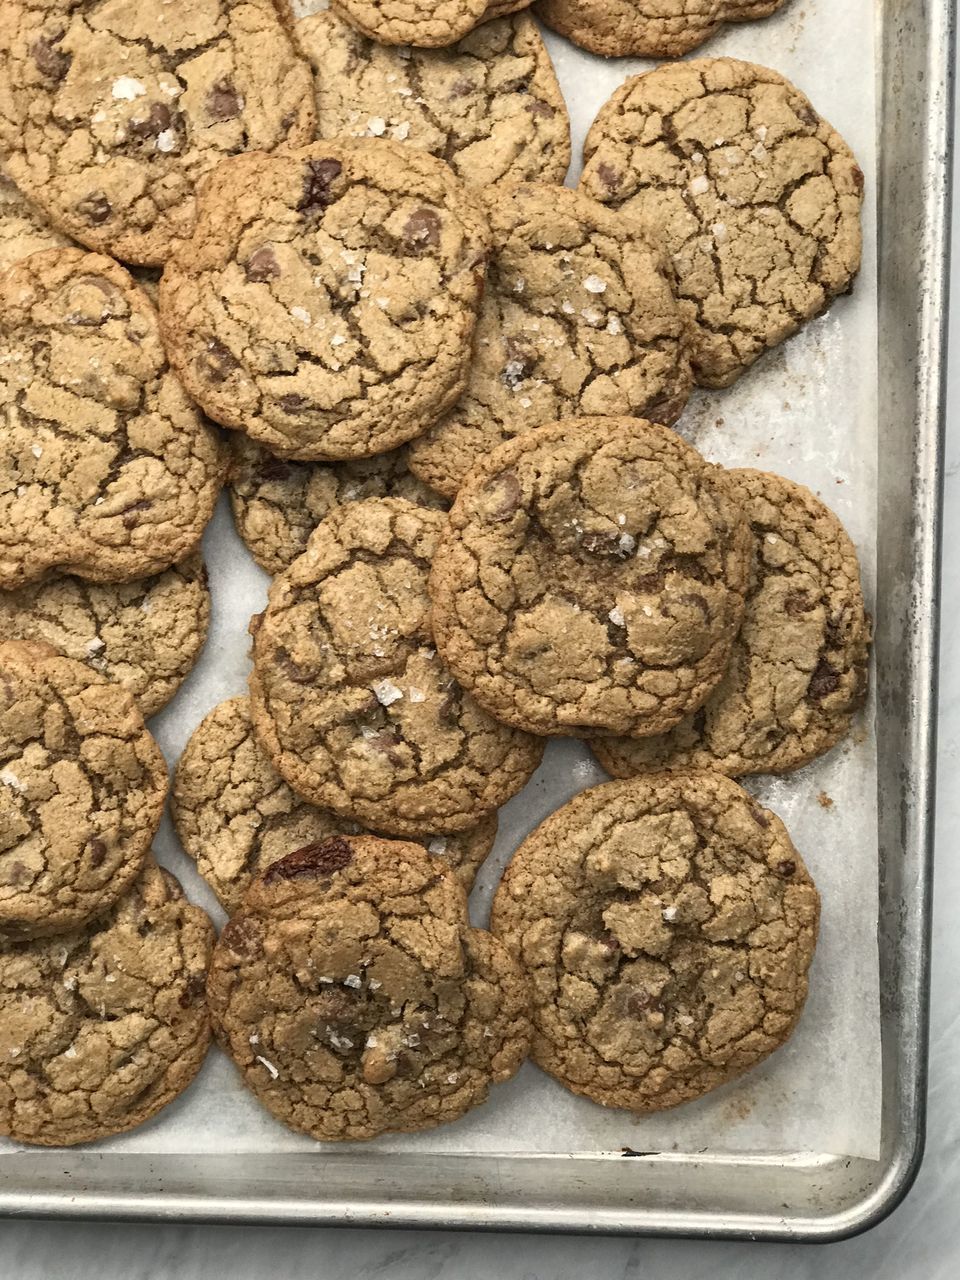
647, 28
114, 111
578, 317
106, 468
146, 634
757, 198
591, 578
326, 302
349, 697
798, 670
103, 1026
354, 998
490, 105
277, 504
430, 25
667, 925
235, 815
82, 786
23, 228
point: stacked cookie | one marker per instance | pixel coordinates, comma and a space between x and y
449, 385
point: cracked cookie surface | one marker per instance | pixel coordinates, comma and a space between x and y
23, 228
429, 26
667, 925
578, 316
798, 668
354, 998
591, 577
113, 112
103, 1026
82, 786
647, 28
277, 504
349, 697
490, 105
756, 197
146, 634
106, 468
235, 815
326, 302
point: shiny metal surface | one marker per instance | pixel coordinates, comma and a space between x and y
807, 1196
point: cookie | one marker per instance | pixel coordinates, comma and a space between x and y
82, 786
277, 504
667, 925
103, 1026
591, 578
107, 470
235, 815
115, 111
354, 998
425, 26
757, 198
647, 28
349, 698
798, 669
23, 228
326, 302
490, 105
578, 317
146, 635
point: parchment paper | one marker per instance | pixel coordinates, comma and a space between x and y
807, 411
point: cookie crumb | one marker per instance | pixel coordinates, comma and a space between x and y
825, 801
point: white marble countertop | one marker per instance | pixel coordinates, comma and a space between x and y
920, 1239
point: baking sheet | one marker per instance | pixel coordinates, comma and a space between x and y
809, 412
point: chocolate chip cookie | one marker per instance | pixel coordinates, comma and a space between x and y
354, 998
798, 670
23, 228
277, 504
107, 470
103, 1026
236, 816
591, 577
326, 302
428, 26
757, 198
349, 698
667, 925
114, 111
82, 786
578, 316
146, 634
490, 105
647, 28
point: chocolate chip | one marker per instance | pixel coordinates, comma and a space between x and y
609, 543
697, 602
130, 519
786, 868
194, 989
796, 603
274, 469
505, 488
759, 816
223, 101
543, 110
317, 177
262, 265
217, 362
823, 681
51, 61
460, 88
17, 874
313, 860
423, 228
521, 362
98, 852
387, 744
242, 935
95, 207
158, 120
858, 179
803, 111
293, 403
608, 176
